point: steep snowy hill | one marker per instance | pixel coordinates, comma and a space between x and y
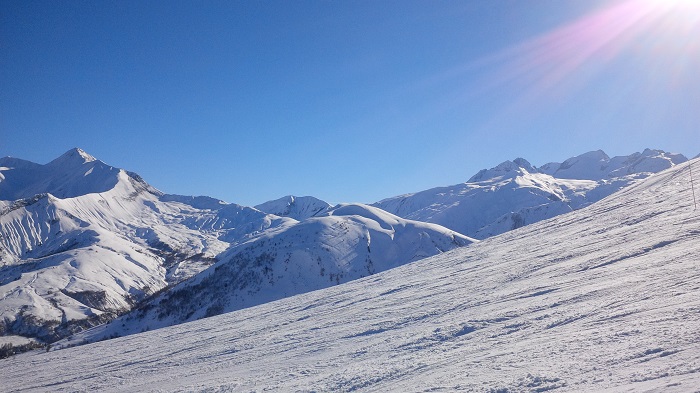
298, 208
601, 299
352, 241
73, 174
87, 241
84, 242
515, 193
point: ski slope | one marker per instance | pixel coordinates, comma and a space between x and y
606, 298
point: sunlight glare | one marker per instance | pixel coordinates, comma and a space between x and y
694, 4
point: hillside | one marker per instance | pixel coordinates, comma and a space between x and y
515, 193
298, 208
108, 242
84, 242
600, 299
350, 242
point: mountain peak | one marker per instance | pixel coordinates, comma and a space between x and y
523, 163
74, 156
596, 165
298, 208
74, 173
507, 168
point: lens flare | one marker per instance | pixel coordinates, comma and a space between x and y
684, 4
664, 34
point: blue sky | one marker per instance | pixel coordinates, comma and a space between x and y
349, 101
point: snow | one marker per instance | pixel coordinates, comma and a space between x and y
515, 193
519, 166
15, 340
298, 208
604, 298
85, 242
73, 174
597, 165
198, 202
352, 241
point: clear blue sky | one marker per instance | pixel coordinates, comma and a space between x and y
345, 100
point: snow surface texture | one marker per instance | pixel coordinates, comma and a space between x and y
515, 193
86, 242
605, 298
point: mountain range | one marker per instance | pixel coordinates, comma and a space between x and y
515, 193
604, 298
84, 243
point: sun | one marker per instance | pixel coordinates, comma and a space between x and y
679, 19
662, 36
678, 5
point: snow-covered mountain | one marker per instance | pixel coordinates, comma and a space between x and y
83, 242
515, 193
604, 298
596, 165
298, 208
351, 241
73, 174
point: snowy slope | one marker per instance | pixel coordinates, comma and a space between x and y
298, 208
515, 193
87, 241
83, 242
72, 174
352, 241
601, 299
597, 165
199, 202
59, 271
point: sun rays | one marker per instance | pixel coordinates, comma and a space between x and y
663, 34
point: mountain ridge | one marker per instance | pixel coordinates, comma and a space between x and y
602, 299
350, 242
515, 193
299, 208
87, 242
84, 242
